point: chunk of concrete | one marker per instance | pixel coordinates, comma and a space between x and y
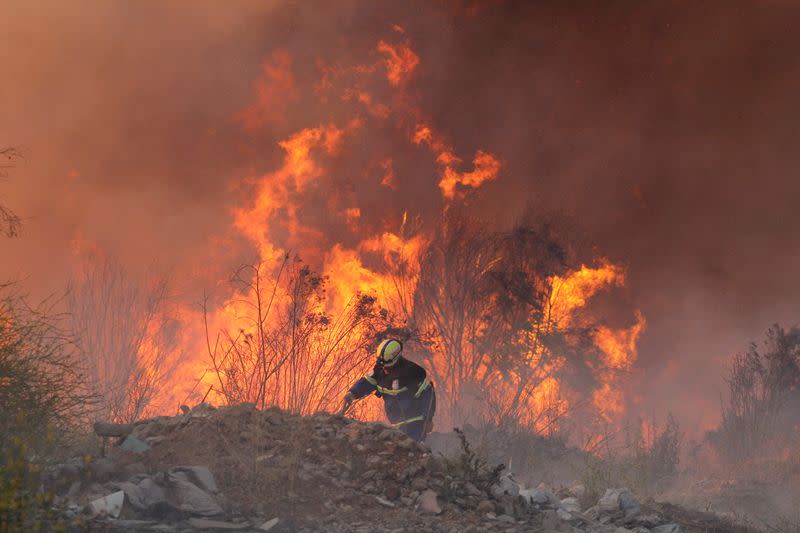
135, 445
200, 476
190, 498
144, 495
110, 505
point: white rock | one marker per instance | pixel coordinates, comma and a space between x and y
269, 524
384, 502
428, 503
571, 505
618, 500
110, 505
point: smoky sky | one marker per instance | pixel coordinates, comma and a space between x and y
667, 131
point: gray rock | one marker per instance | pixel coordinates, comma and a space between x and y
110, 505
507, 519
190, 498
134, 444
428, 502
667, 528
506, 485
74, 491
536, 496
618, 500
200, 476
144, 495
628, 504
571, 505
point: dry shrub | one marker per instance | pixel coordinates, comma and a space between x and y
487, 303
127, 338
762, 410
287, 350
647, 460
42, 397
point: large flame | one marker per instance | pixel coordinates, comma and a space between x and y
377, 258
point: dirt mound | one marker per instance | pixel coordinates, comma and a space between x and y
238, 468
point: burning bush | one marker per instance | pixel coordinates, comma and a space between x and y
128, 341
288, 350
501, 313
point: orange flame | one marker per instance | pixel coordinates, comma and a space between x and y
385, 262
273, 88
400, 61
486, 166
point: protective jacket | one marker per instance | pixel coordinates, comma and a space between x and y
408, 395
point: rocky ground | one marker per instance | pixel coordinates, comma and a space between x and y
241, 469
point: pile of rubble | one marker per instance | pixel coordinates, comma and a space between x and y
241, 469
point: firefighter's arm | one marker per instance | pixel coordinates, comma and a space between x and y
362, 387
423, 383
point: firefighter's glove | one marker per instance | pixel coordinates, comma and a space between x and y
348, 401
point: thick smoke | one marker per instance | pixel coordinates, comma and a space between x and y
665, 130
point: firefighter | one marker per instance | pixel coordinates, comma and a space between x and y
408, 395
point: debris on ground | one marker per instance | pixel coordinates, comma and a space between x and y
242, 469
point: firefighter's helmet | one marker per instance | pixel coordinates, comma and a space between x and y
389, 352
